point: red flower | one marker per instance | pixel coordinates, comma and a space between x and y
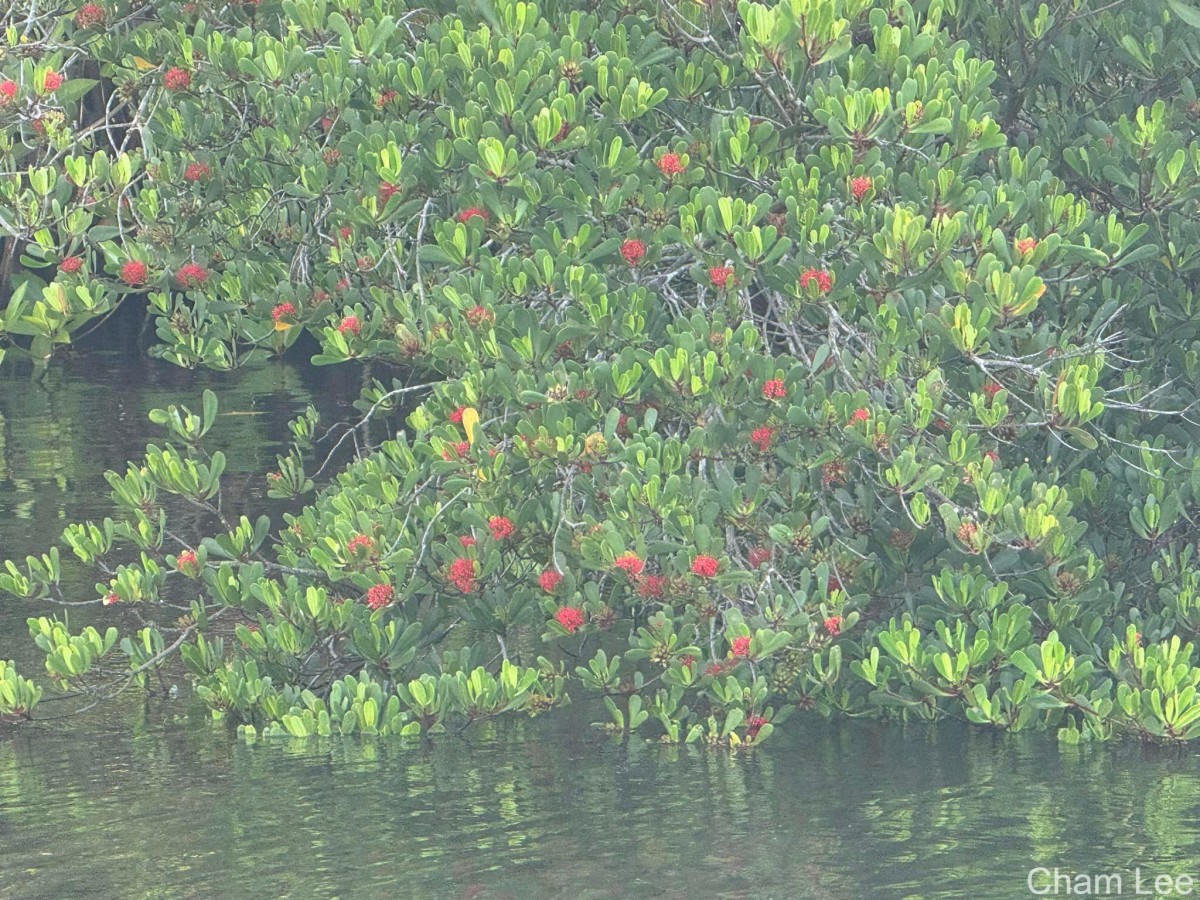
346, 232
630, 563
714, 669
741, 646
774, 389
380, 595
670, 164
758, 556
195, 171
818, 276
90, 14
282, 310
387, 97
387, 191
461, 449
653, 587
834, 625
633, 250
471, 212
993, 456
754, 725
350, 325
110, 598
992, 388
8, 90
705, 566
177, 79
456, 416
360, 541
762, 437
71, 265
860, 415
1025, 246
859, 187
191, 275
462, 574
186, 561
53, 81
720, 275
549, 580
467, 540
480, 315
501, 526
570, 618
133, 273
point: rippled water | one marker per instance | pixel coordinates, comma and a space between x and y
151, 801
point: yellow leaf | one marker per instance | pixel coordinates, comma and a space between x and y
282, 326
470, 422
144, 64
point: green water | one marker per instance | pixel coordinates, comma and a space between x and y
148, 800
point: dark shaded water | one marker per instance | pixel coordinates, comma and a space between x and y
152, 802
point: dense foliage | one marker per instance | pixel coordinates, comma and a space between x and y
820, 354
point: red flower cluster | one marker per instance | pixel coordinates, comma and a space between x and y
992, 388
570, 618
993, 456
467, 214
754, 725
762, 437
705, 566
633, 251
502, 527
1025, 246
741, 646
631, 564
185, 561
134, 272
53, 81
460, 450
380, 595
457, 416
550, 580
462, 574
720, 275
90, 14
758, 556
652, 587
670, 164
387, 97
859, 187
282, 310
774, 389
819, 277
350, 325
8, 90
110, 598
862, 414
480, 315
71, 265
834, 625
191, 275
195, 171
177, 79
387, 191
467, 540
360, 541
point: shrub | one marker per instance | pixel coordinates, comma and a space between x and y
806, 342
